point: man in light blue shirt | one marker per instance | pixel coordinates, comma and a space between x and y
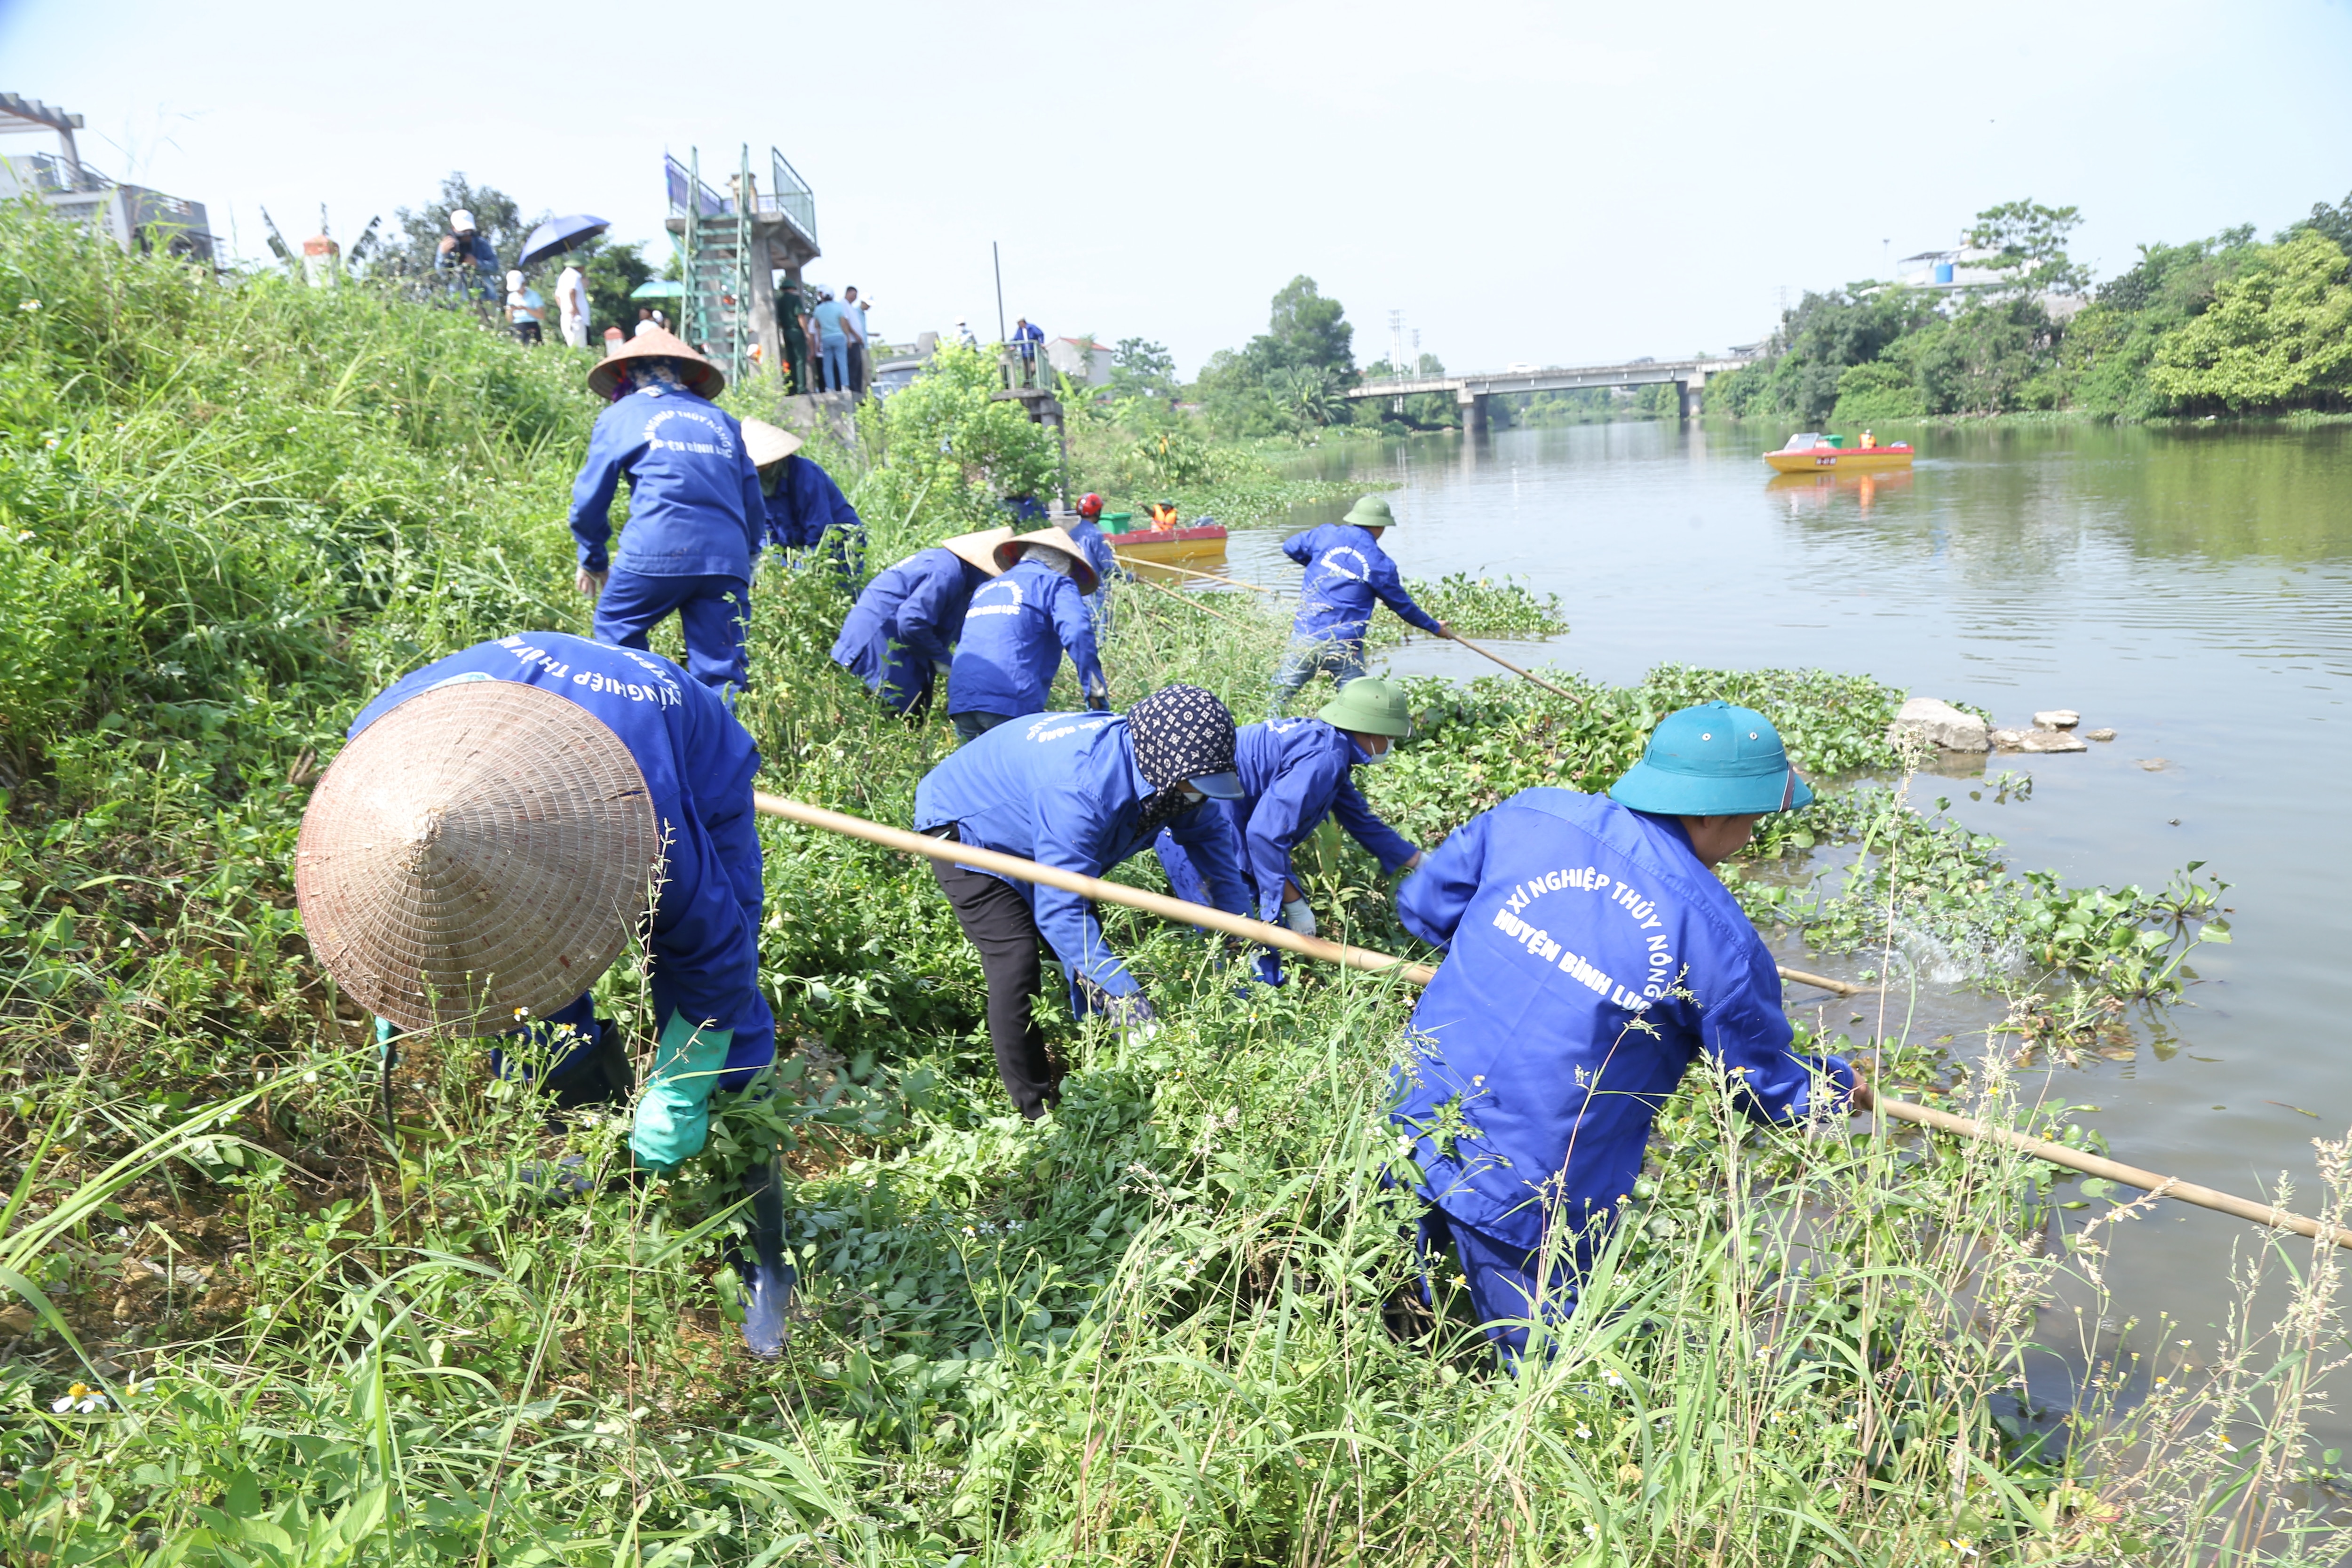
831, 341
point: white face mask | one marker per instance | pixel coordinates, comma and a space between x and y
1191, 796
1381, 757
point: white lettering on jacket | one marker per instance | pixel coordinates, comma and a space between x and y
1540, 944
720, 445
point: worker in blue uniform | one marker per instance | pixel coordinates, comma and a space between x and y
805, 508
1088, 535
1294, 773
695, 513
514, 828
901, 634
1017, 631
1346, 570
1591, 957
1080, 791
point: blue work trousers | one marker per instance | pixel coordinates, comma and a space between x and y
564, 1040
835, 354
710, 610
1506, 1296
1305, 660
970, 727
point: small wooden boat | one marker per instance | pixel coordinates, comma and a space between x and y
1816, 454
1167, 544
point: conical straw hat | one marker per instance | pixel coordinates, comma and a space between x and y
1010, 550
701, 378
980, 549
480, 854
768, 443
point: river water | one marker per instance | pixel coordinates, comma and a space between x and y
2190, 589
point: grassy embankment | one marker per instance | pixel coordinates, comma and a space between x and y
1148, 1331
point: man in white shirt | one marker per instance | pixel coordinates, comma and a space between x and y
571, 305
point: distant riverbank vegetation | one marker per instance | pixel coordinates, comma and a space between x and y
2227, 325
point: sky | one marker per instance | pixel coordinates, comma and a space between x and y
1554, 184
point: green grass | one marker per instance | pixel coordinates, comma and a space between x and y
1148, 1331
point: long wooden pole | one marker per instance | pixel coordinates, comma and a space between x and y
1187, 570
1188, 599
1372, 963
1515, 669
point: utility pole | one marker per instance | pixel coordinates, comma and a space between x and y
997, 261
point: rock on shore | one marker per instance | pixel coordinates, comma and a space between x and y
1939, 725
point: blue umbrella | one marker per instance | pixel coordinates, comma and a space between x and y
557, 235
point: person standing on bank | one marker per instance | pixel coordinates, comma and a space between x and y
1017, 631
803, 504
1294, 773
1345, 569
499, 827
1087, 534
901, 634
1592, 956
831, 340
696, 511
1081, 792
853, 321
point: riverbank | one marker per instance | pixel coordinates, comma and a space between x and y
1149, 1330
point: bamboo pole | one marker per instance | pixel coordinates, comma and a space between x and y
1843, 987
1507, 664
1187, 570
1372, 963
1188, 599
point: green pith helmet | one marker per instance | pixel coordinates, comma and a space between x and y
1713, 760
1370, 511
1368, 706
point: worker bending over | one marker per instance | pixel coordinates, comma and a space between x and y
901, 634
1088, 535
1592, 956
695, 513
1345, 569
1294, 773
1017, 631
1080, 791
500, 825
804, 508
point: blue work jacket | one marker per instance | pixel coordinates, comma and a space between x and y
698, 763
806, 504
1014, 637
1346, 567
1089, 538
1568, 921
695, 506
1294, 773
1063, 790
906, 621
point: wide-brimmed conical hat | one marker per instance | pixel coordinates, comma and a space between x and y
769, 443
478, 856
701, 378
980, 549
1052, 539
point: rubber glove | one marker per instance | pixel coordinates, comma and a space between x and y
674, 1114
1299, 917
1134, 1016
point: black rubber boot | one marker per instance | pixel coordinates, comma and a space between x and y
766, 1274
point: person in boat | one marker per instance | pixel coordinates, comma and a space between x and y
696, 511
1087, 533
1163, 516
1346, 570
1081, 792
1017, 631
900, 637
1294, 773
502, 825
1592, 956
805, 508
1868, 440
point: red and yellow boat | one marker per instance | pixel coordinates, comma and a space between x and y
1165, 540
1811, 453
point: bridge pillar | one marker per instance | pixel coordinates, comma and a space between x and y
1473, 412
1692, 394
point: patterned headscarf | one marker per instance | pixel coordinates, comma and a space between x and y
640, 374
1180, 733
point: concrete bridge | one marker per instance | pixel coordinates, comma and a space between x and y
1471, 391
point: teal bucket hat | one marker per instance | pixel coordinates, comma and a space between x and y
1713, 760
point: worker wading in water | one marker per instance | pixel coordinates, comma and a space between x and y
500, 825
1346, 570
901, 634
1591, 957
1017, 631
1294, 773
1088, 535
804, 508
1079, 792
695, 513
